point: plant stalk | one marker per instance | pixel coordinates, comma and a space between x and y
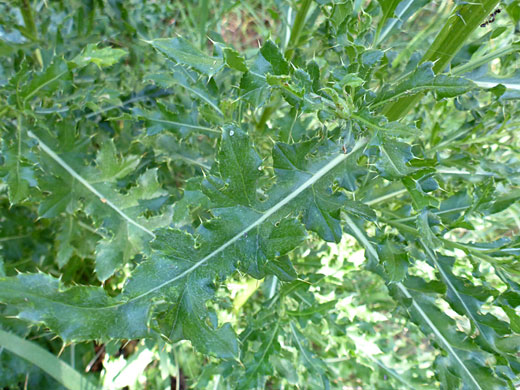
461, 24
297, 28
294, 40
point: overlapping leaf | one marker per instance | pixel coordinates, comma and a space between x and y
177, 279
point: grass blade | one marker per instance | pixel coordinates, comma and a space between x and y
49, 363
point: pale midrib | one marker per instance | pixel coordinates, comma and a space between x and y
19, 155
43, 85
452, 287
390, 160
126, 102
436, 212
395, 374
213, 105
417, 89
393, 22
438, 334
180, 124
385, 197
360, 236
301, 346
200, 95
268, 213
76, 176
275, 332
377, 127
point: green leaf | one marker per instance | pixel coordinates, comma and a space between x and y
234, 59
196, 88
177, 271
395, 14
253, 89
423, 79
127, 239
18, 173
112, 166
380, 123
452, 208
240, 165
395, 261
308, 359
104, 57
46, 82
394, 156
514, 319
467, 300
425, 230
321, 207
420, 199
388, 7
74, 313
466, 18
259, 364
272, 54
120, 214
463, 357
180, 51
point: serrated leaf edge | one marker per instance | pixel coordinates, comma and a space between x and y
438, 334
78, 177
268, 213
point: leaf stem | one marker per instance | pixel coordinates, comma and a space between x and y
385, 197
447, 243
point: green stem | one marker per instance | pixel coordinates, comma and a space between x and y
297, 28
294, 40
266, 113
466, 18
31, 31
515, 47
447, 243
27, 14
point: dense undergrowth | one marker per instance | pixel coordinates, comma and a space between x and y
259, 194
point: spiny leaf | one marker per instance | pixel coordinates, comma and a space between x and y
180, 51
462, 352
260, 366
395, 261
18, 173
47, 81
394, 156
467, 300
234, 59
106, 56
423, 79
178, 272
119, 214
271, 53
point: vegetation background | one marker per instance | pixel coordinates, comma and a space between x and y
259, 194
